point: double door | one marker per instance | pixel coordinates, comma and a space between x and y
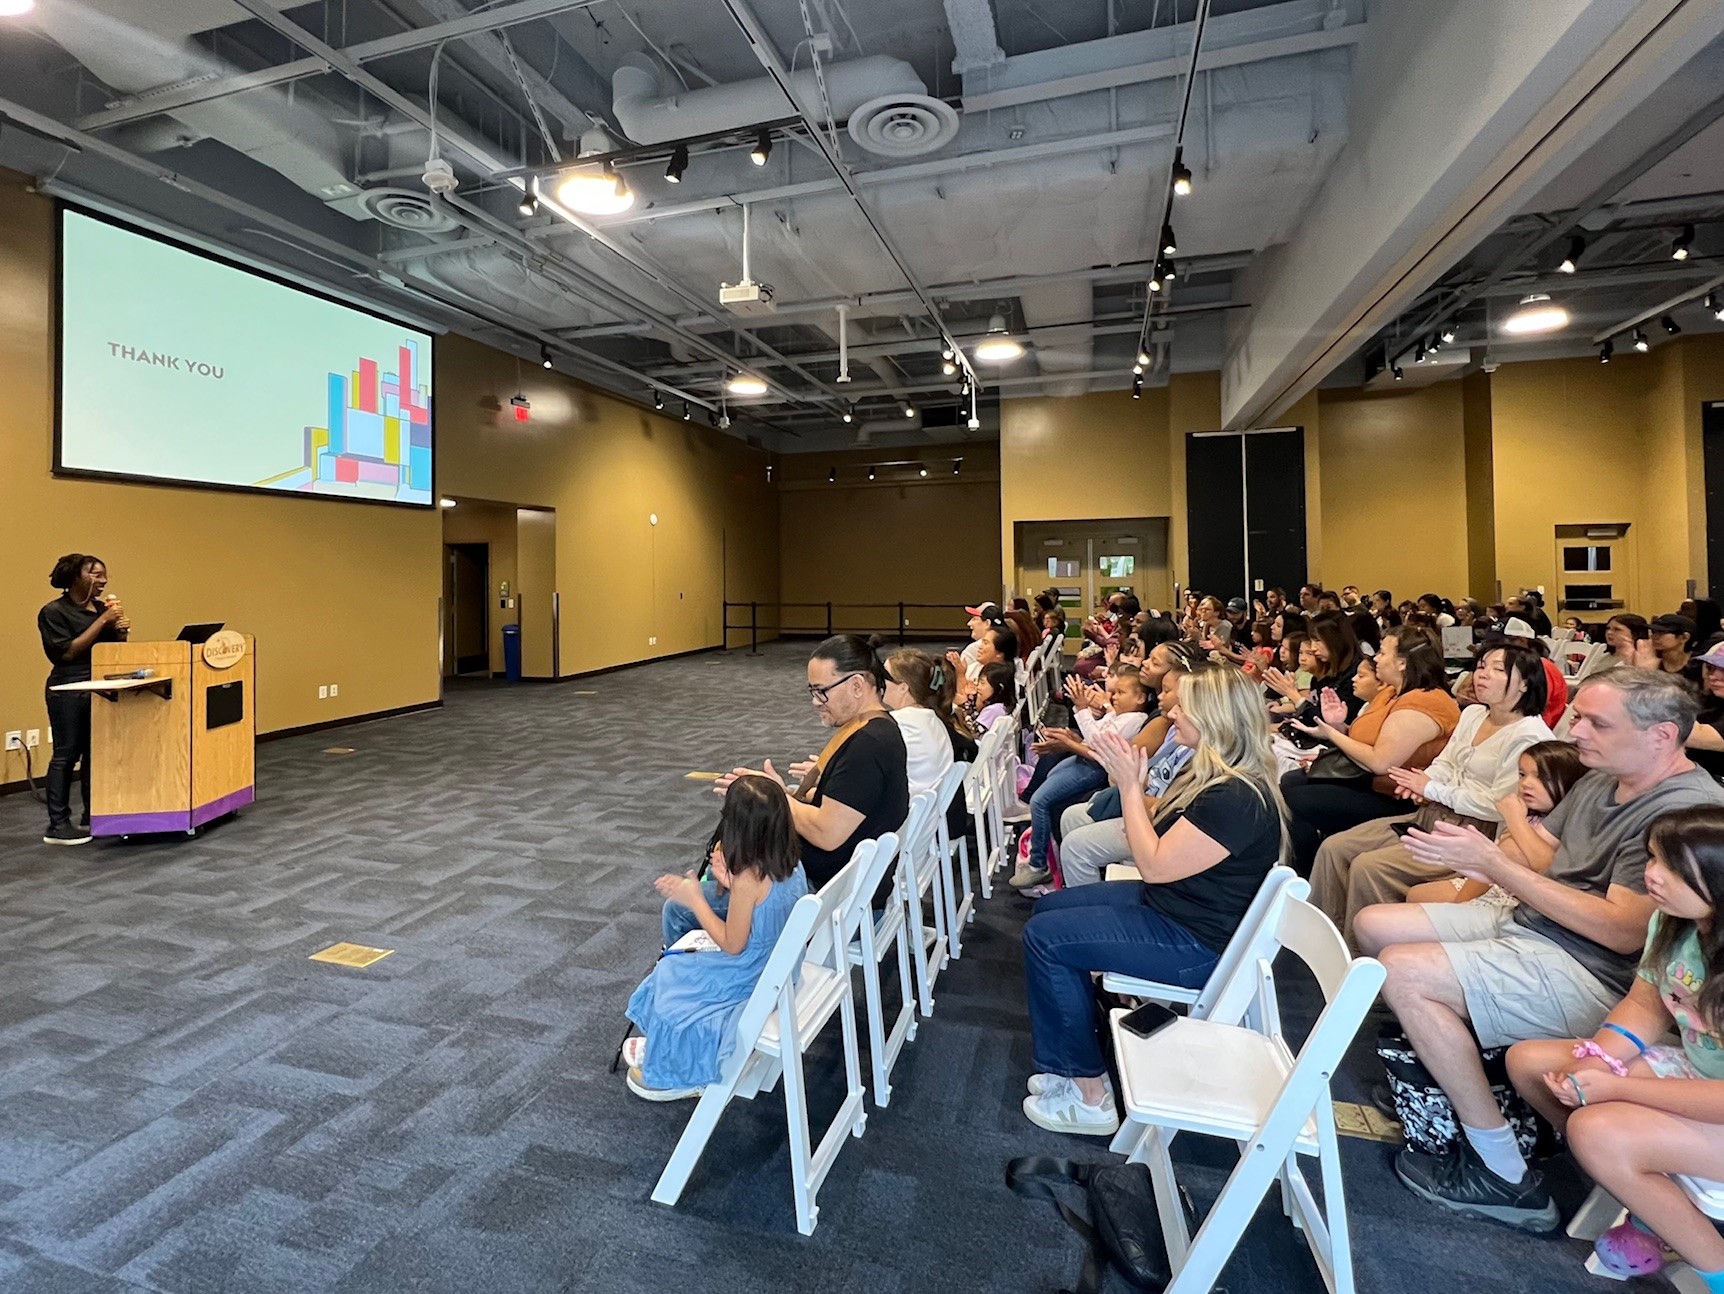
1088, 561
1245, 511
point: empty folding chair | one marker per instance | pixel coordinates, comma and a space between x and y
954, 859
1223, 1079
806, 982
979, 788
1252, 940
880, 935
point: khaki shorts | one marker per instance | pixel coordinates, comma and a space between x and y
1518, 985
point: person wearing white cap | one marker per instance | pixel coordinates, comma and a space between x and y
983, 616
1706, 742
1520, 632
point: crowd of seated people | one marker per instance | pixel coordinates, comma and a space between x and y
1550, 895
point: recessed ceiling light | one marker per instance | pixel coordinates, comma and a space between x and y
998, 347
746, 384
15, 8
595, 192
1537, 313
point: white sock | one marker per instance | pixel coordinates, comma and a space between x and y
1497, 1147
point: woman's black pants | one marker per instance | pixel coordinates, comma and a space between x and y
69, 724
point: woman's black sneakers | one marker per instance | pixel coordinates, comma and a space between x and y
66, 834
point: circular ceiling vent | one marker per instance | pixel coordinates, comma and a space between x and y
903, 125
405, 209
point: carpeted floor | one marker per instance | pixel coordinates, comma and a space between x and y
188, 1104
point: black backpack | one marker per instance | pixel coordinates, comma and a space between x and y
1123, 1229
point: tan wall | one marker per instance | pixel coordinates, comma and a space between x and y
345, 593
1480, 488
1393, 490
630, 590
536, 571
335, 592
900, 537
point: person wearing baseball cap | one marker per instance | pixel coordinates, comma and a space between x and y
1706, 742
1519, 632
983, 616
1670, 637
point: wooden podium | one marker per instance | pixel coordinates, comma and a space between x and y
177, 749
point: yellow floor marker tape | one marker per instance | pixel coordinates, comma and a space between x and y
356, 955
1365, 1122
698, 776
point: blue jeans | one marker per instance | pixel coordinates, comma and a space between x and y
676, 920
1102, 927
1071, 782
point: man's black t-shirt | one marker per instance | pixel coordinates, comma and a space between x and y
1212, 903
870, 773
61, 621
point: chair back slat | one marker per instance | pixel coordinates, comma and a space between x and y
826, 946
1254, 939
787, 957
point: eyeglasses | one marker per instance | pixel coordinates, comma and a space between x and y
819, 693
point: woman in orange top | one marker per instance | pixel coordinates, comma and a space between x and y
1405, 726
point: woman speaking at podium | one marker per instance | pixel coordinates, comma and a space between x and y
82, 616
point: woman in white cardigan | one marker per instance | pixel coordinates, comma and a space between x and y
1479, 766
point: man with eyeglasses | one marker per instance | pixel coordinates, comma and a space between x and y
858, 787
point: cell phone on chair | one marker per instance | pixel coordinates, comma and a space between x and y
1148, 1020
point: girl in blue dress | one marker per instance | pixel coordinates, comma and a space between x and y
687, 1008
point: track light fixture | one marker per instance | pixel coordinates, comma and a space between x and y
658, 399
1670, 325
1137, 370
1181, 173
1169, 244
687, 412
1682, 245
946, 353
1571, 261
1419, 353
909, 411
1715, 306
948, 367
678, 164
1607, 350
1396, 370
1142, 357
870, 473
832, 476
922, 471
1155, 279
762, 148
545, 356
1137, 388
528, 205
1640, 342
1449, 335
850, 413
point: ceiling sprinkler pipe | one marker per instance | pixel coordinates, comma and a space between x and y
843, 343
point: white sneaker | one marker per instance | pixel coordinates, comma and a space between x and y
1060, 1108
1040, 1083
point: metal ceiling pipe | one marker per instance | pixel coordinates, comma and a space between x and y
649, 116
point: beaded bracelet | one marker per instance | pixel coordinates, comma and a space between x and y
1591, 1048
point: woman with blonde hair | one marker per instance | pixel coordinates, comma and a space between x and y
1202, 855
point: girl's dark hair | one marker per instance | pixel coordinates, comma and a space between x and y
854, 654
1637, 627
1691, 842
68, 568
1365, 628
1530, 666
1019, 604
1157, 630
1048, 600
1422, 655
931, 681
1558, 766
1004, 640
1336, 634
1262, 633
1292, 622
757, 831
1002, 676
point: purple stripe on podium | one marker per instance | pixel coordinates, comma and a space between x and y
227, 804
138, 824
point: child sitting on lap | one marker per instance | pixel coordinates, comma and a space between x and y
687, 1007
1635, 1109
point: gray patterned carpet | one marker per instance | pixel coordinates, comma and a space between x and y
187, 1104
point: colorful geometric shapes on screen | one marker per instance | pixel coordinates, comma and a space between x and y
347, 470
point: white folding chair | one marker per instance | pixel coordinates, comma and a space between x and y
805, 983
917, 878
1582, 660
979, 796
1601, 1211
1223, 1079
954, 859
879, 936
1254, 940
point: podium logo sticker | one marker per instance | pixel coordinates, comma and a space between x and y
224, 649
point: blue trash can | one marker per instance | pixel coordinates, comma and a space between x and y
512, 653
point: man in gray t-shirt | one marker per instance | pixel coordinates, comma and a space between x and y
1462, 975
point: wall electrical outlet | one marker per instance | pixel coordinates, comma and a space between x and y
33, 738
15, 740
323, 693
335, 689
652, 642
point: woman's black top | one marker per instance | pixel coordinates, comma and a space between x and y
61, 622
